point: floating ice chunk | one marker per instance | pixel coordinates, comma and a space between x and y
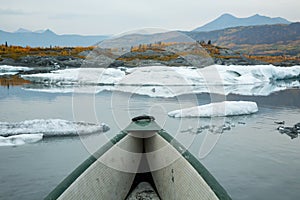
161, 75
236, 74
78, 76
226, 108
8, 73
162, 81
8, 68
12, 70
211, 75
20, 139
50, 128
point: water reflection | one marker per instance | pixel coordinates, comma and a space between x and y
13, 80
228, 124
251, 151
261, 89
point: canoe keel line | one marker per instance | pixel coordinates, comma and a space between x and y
143, 152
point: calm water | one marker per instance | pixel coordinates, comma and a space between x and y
252, 160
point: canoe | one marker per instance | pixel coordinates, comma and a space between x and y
141, 154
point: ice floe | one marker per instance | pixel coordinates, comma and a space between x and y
21, 139
220, 128
235, 74
78, 76
162, 81
226, 108
12, 70
50, 128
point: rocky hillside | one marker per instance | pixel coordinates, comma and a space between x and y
43, 57
143, 55
46, 59
256, 40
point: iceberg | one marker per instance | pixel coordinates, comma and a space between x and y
220, 109
50, 128
21, 139
162, 75
12, 70
8, 73
78, 76
162, 81
236, 74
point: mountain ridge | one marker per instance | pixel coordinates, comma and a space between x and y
228, 20
47, 38
278, 39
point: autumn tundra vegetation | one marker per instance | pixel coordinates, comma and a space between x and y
221, 55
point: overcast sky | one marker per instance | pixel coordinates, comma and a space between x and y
94, 17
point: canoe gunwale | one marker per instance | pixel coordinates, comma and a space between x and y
219, 191
67, 182
202, 171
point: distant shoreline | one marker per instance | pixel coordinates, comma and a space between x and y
74, 57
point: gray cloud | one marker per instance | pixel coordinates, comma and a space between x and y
115, 16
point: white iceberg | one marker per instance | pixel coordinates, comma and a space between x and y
162, 81
8, 73
12, 70
161, 75
220, 109
50, 128
236, 74
21, 139
78, 76
211, 75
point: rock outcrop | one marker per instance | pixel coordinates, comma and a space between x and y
217, 55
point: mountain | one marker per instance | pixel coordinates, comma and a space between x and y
39, 31
227, 21
22, 30
46, 38
283, 39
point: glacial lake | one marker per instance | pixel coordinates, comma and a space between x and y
252, 160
